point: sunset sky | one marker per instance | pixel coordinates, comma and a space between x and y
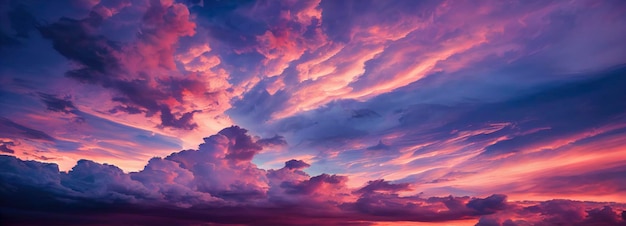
364, 112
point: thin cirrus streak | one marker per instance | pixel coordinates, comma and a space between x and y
355, 112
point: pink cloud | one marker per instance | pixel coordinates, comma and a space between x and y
219, 176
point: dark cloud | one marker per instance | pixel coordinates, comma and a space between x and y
272, 141
379, 147
22, 22
241, 147
364, 113
384, 186
100, 58
314, 184
604, 216
560, 211
555, 212
53, 103
128, 109
103, 181
139, 93
12, 129
74, 39
488, 205
185, 121
296, 164
30, 174
5, 147
486, 221
102, 62
392, 207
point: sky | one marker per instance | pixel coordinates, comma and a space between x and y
320, 112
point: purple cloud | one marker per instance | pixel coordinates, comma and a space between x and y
385, 186
296, 164
356, 112
5, 147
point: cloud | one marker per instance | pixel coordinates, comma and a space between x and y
187, 178
296, 164
56, 104
399, 109
241, 147
184, 122
14, 130
28, 173
122, 67
5, 147
276, 140
490, 204
555, 212
173, 183
385, 186
315, 184
427, 52
215, 183
105, 182
605, 216
221, 166
64, 138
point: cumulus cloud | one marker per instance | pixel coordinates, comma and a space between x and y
555, 212
218, 179
321, 185
490, 204
28, 173
105, 182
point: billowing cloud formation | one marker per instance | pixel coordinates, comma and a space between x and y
556, 212
207, 184
362, 111
175, 190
